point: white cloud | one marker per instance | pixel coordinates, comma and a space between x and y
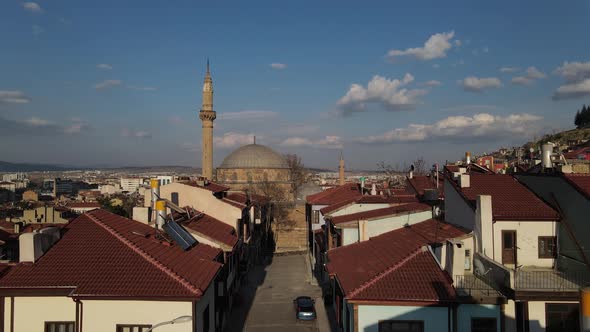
32, 7
534, 73
126, 132
577, 80
435, 47
76, 127
104, 66
278, 66
436, 66
37, 30
328, 142
521, 80
247, 115
232, 139
13, 97
573, 90
433, 83
482, 125
509, 69
472, 107
390, 93
574, 71
37, 122
475, 84
107, 84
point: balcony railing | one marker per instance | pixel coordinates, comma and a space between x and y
550, 280
472, 285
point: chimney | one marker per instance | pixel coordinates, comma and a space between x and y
155, 186
547, 149
363, 231
341, 170
160, 213
373, 190
483, 225
363, 184
464, 181
467, 158
34, 245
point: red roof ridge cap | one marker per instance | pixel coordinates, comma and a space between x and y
382, 274
147, 256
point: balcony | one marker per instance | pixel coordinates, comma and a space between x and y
529, 280
476, 289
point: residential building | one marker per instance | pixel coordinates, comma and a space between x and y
11, 186
515, 249
395, 282
30, 196
106, 273
82, 207
47, 214
131, 184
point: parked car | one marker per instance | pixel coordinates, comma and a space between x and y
304, 308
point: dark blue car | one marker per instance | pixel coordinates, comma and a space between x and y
304, 308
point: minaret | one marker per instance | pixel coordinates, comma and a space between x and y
341, 169
207, 116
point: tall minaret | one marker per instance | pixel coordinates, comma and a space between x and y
341, 169
207, 116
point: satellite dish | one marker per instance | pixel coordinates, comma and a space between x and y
532, 150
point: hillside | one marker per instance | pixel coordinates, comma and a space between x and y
563, 137
24, 167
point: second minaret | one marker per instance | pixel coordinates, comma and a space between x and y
207, 116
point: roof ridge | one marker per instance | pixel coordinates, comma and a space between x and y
145, 255
382, 274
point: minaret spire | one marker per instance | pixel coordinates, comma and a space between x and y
207, 116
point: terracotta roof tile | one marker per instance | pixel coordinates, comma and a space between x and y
335, 195
383, 267
580, 181
103, 254
380, 213
511, 200
212, 228
421, 182
93, 205
211, 186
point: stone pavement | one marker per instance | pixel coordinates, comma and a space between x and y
266, 298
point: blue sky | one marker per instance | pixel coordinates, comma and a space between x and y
118, 83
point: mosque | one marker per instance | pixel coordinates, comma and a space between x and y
248, 167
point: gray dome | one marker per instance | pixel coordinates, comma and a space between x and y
254, 156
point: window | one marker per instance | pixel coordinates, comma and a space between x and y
547, 247
60, 326
174, 198
315, 217
206, 319
562, 317
132, 327
483, 325
467, 262
401, 326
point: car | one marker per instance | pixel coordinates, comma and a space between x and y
304, 308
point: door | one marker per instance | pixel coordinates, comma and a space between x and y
508, 247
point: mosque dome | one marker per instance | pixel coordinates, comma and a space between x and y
254, 156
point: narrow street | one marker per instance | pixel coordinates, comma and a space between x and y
267, 298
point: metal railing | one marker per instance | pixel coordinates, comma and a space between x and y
551, 280
470, 284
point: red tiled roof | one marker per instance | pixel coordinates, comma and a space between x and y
580, 181
574, 154
421, 182
212, 228
105, 255
393, 266
368, 199
242, 198
83, 205
211, 186
379, 213
7, 226
510, 199
335, 195
234, 203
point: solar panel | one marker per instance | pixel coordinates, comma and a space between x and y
183, 238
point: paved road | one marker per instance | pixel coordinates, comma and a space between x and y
273, 289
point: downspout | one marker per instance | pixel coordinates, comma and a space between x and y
12, 314
195, 316
79, 315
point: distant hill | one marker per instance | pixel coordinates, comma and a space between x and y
23, 167
563, 137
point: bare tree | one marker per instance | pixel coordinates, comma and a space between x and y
420, 166
297, 172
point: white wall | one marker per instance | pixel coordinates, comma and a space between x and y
379, 226
457, 211
355, 208
202, 200
466, 312
435, 318
321, 218
350, 236
31, 313
527, 241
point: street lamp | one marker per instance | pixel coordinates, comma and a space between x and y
181, 319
